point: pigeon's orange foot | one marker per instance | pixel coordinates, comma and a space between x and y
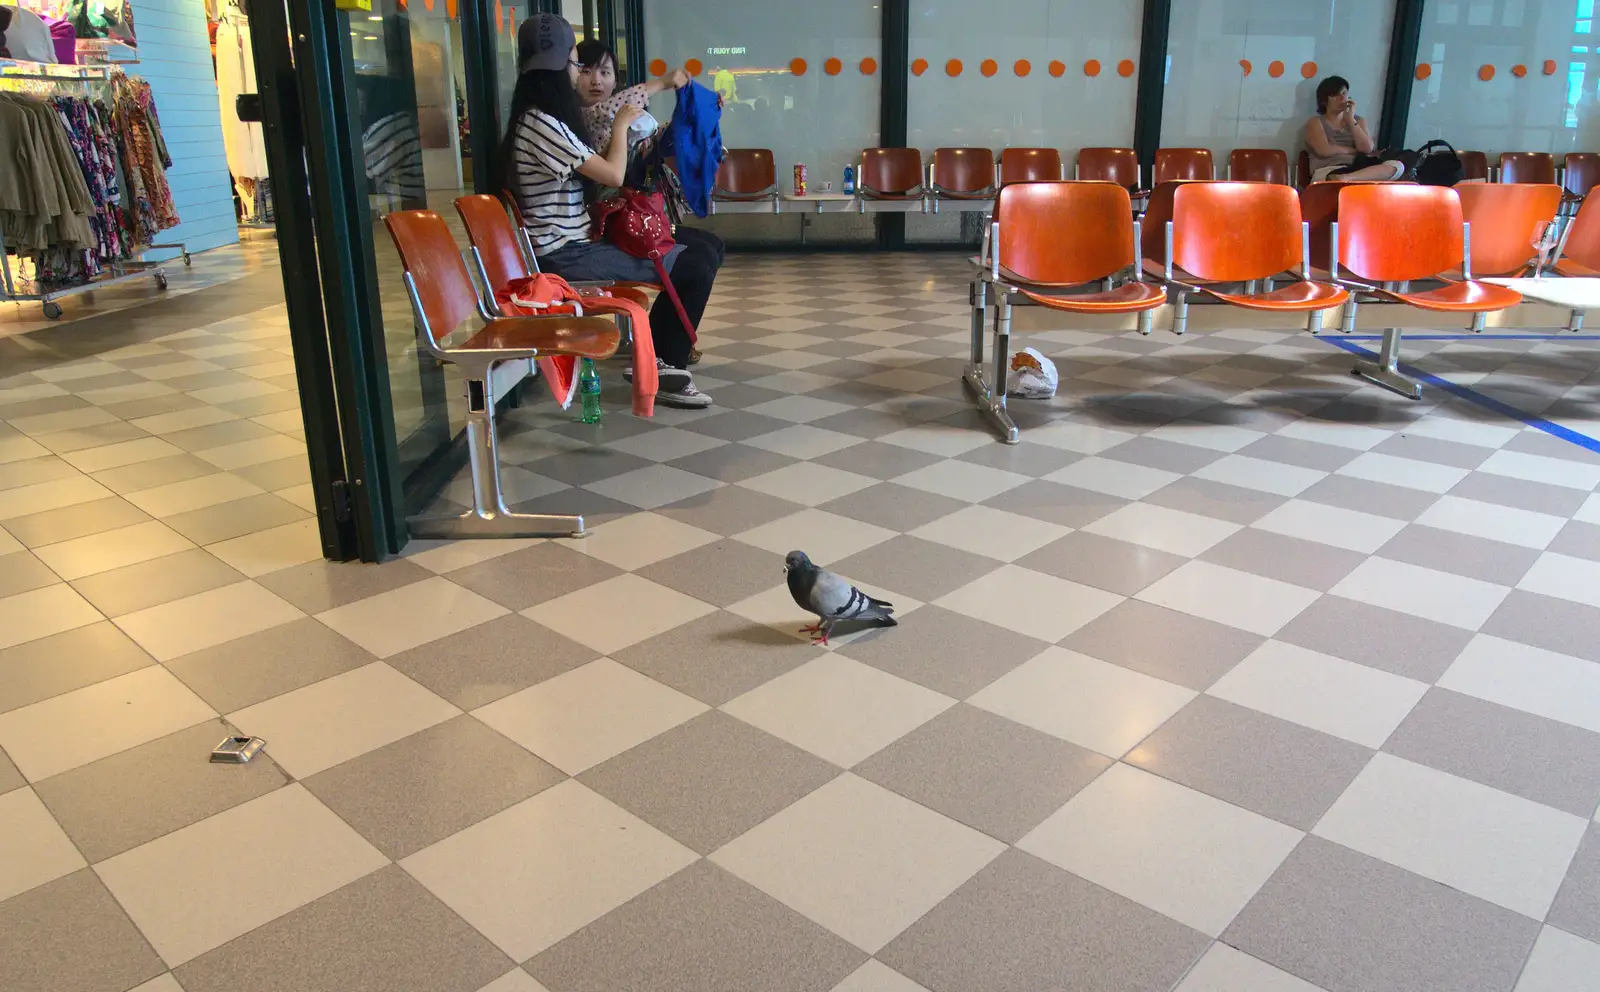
811, 628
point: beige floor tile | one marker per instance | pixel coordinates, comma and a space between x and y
192, 494
41, 612
583, 717
995, 533
546, 867
263, 449
269, 550
182, 420
75, 728
199, 887
97, 553
642, 539
35, 850
119, 454
590, 616
1030, 602
825, 536
174, 629
396, 621
323, 724
44, 496
440, 557
875, 976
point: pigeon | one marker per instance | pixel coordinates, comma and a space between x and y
831, 598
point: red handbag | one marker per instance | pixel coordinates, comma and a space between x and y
637, 223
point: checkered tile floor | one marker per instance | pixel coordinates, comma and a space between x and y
1235, 676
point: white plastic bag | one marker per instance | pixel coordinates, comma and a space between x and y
1032, 376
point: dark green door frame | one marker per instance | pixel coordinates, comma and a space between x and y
1152, 88
479, 57
1405, 41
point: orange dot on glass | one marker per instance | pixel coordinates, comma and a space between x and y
1275, 70
1486, 72
1023, 67
1549, 67
693, 67
919, 66
833, 67
1125, 67
658, 67
1091, 67
1519, 71
1058, 68
1245, 65
499, 16
1307, 70
1424, 70
428, 4
953, 67
450, 9
989, 67
797, 66
869, 66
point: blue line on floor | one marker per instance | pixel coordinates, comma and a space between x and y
1569, 336
1473, 396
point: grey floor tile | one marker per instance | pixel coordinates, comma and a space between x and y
1281, 770
891, 505
593, 507
1102, 562
730, 509
66, 661
945, 651
1347, 922
235, 518
242, 672
132, 797
1546, 622
478, 665
45, 933
151, 583
93, 436
1535, 442
1488, 487
156, 472
323, 585
1579, 540
717, 657
1167, 644
708, 781
923, 570
1057, 504
1526, 755
1378, 638
10, 778
1295, 451
280, 473
736, 425
701, 929
437, 782
1577, 906
741, 394
983, 770
21, 572
1022, 925
734, 462
33, 471
878, 460
533, 575
1446, 551
1037, 460
217, 435
1429, 449
721, 573
1216, 499
67, 523
382, 933
1363, 496
586, 465
153, 406
863, 423
1167, 455
1288, 559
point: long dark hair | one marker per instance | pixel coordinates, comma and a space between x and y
593, 51
1329, 88
549, 91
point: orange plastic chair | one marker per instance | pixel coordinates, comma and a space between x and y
1302, 169
1048, 242
1153, 233
1389, 234
962, 174
1110, 165
443, 298
746, 174
1026, 165
1243, 232
1474, 165
890, 174
1259, 165
1580, 172
1527, 167
1579, 254
1183, 163
1504, 219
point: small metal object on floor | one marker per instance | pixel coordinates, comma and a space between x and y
237, 750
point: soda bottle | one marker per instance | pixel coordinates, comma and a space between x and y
849, 187
589, 391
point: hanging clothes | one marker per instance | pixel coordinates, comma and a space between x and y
147, 200
236, 74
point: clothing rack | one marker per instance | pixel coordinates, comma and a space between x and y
16, 288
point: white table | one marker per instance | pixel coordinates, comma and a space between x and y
1577, 295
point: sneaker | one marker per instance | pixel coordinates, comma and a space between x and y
681, 394
669, 378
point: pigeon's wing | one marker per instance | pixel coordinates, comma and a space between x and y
837, 599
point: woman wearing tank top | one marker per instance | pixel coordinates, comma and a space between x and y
1337, 136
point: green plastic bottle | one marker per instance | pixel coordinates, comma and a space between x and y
589, 391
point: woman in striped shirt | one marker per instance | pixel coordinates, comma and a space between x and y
543, 161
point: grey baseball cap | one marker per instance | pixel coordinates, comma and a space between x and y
544, 42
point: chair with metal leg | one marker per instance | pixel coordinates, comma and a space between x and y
1026, 165
1504, 219
1259, 165
1183, 163
1391, 234
443, 298
1069, 246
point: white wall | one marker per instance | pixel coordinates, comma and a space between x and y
175, 56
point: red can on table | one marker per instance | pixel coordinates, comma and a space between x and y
799, 180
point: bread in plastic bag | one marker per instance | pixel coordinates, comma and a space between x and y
1032, 376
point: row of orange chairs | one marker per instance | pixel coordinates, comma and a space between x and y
975, 173
1231, 241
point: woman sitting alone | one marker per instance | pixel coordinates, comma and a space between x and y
1338, 143
543, 160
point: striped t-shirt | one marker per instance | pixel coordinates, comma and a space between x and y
549, 191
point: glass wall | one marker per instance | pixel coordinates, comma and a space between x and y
1548, 107
1244, 73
